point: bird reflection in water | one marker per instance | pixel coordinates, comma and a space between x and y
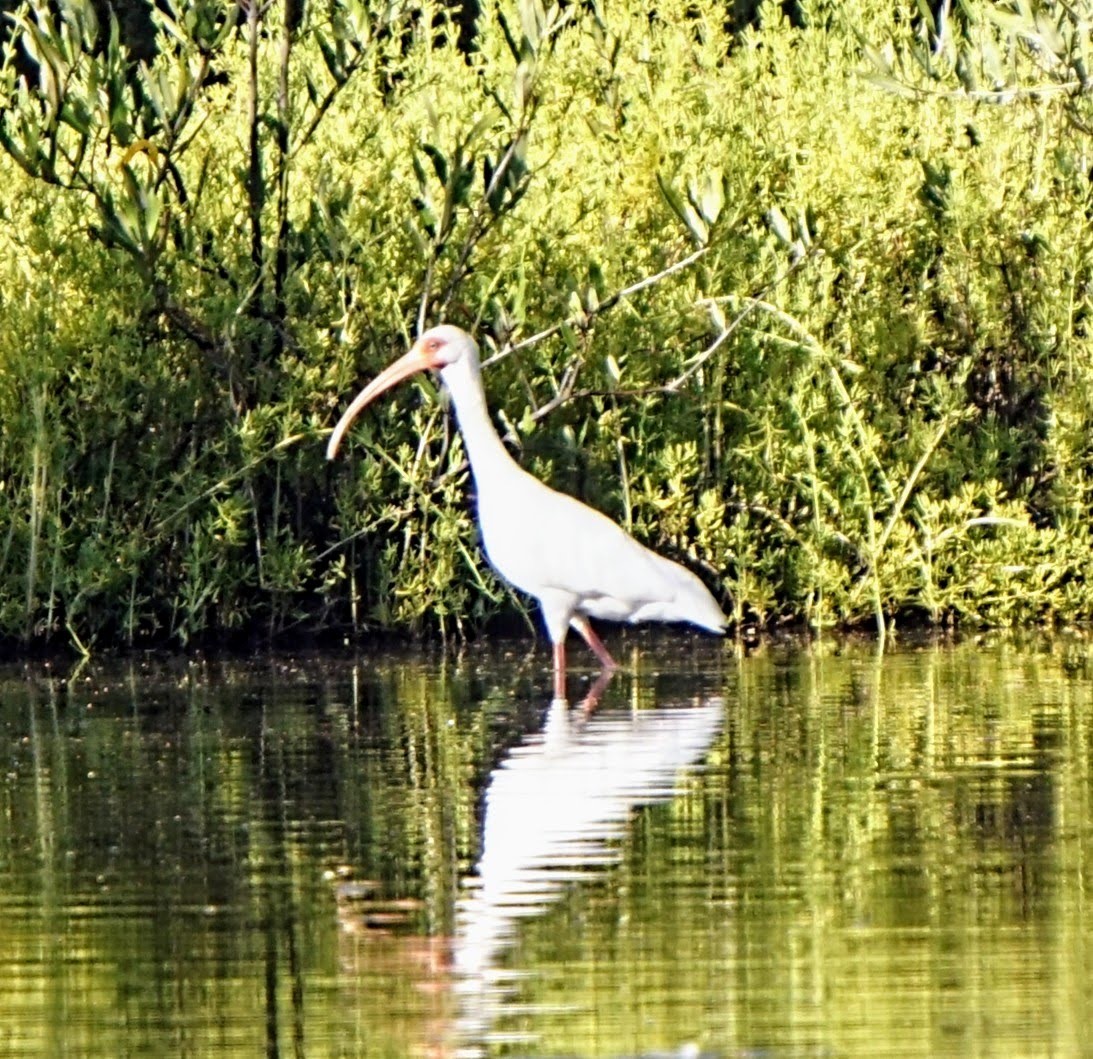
555, 811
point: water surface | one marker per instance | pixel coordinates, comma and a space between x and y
792, 852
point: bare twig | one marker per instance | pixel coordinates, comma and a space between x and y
608, 303
239, 472
751, 304
912, 480
481, 223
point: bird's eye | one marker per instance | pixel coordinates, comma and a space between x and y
432, 345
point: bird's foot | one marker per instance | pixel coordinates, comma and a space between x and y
588, 704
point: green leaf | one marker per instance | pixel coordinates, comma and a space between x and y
517, 54
533, 21
334, 57
709, 199
684, 211
778, 224
440, 163
419, 172
75, 114
523, 84
13, 149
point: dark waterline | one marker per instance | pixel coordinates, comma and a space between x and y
799, 851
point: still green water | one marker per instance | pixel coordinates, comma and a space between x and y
794, 852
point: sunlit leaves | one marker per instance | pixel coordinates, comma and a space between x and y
863, 322
97, 101
700, 207
448, 182
994, 51
202, 24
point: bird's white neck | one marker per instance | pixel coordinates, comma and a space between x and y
485, 450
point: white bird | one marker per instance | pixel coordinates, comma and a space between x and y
555, 811
575, 561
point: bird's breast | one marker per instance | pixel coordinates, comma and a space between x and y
515, 542
570, 556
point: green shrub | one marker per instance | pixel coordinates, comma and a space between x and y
855, 386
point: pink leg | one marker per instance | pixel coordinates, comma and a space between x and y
589, 703
582, 625
559, 670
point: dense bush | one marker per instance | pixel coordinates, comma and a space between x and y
856, 386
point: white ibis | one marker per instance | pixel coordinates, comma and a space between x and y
575, 561
556, 809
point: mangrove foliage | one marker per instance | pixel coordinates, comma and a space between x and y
800, 297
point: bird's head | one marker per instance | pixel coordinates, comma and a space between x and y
445, 349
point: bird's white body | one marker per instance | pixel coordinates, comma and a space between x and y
575, 561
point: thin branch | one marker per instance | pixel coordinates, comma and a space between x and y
239, 472
608, 303
912, 479
752, 303
481, 222
426, 292
327, 101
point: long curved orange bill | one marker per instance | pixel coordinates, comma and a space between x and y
409, 364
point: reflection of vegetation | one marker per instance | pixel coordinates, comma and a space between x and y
181, 837
876, 850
